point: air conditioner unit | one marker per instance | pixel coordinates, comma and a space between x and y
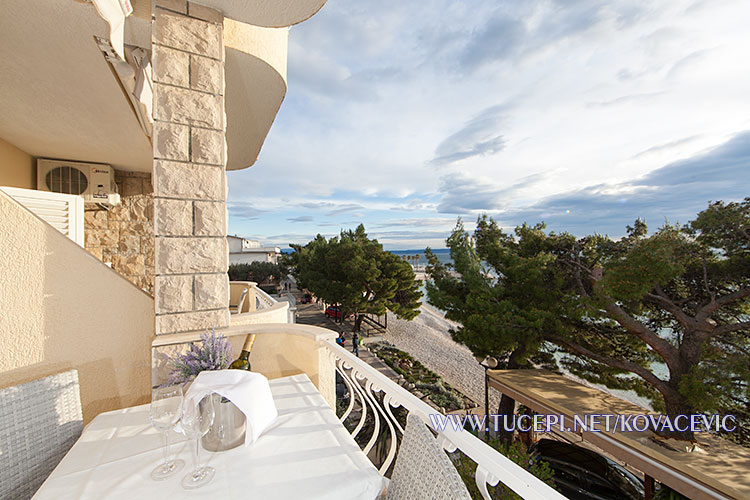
95, 182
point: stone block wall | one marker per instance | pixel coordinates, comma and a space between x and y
190, 216
123, 236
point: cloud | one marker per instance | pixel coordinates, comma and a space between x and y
465, 195
500, 38
343, 208
244, 210
340, 209
286, 238
626, 99
301, 218
409, 235
529, 28
318, 204
687, 62
333, 208
418, 222
478, 137
319, 74
413, 205
726, 165
563, 19
666, 146
462, 194
675, 192
428, 109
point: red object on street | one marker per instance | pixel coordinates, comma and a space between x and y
333, 312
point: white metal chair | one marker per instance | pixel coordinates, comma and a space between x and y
39, 422
423, 470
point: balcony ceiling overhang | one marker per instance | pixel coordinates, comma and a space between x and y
267, 13
59, 97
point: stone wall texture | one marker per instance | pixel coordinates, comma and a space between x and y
189, 178
123, 236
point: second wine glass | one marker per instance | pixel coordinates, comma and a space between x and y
165, 412
196, 420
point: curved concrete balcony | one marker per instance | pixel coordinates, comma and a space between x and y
257, 306
255, 87
268, 13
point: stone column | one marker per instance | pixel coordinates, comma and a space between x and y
189, 177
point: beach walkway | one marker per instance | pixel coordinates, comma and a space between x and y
312, 314
426, 338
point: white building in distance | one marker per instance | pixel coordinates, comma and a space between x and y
243, 251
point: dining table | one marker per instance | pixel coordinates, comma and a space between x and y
306, 453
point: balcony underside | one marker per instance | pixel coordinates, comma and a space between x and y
59, 96
268, 13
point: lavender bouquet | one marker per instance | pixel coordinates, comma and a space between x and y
213, 354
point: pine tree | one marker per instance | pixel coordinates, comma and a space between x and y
677, 300
354, 271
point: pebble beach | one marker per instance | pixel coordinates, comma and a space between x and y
428, 340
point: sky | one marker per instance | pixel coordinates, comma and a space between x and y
405, 115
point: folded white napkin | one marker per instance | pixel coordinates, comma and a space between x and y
248, 391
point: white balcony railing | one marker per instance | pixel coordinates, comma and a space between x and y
262, 299
364, 383
258, 306
285, 349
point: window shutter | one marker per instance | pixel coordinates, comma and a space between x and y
64, 212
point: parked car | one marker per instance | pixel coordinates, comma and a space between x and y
333, 312
583, 474
306, 299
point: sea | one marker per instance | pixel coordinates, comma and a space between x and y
419, 263
443, 255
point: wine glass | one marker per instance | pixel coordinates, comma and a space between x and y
196, 420
166, 406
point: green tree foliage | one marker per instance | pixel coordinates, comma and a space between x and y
353, 271
498, 292
666, 314
259, 272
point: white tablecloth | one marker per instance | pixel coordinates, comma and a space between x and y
306, 454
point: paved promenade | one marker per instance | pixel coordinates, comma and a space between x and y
313, 314
426, 338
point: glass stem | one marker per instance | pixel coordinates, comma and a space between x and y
166, 447
197, 452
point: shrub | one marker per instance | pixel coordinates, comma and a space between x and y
259, 272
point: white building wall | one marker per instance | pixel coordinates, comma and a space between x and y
235, 244
248, 257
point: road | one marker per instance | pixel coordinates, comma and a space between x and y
313, 314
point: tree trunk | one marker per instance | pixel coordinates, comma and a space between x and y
505, 410
676, 405
507, 406
357, 322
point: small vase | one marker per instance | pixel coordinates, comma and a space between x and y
228, 429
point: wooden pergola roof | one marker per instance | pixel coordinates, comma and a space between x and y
715, 469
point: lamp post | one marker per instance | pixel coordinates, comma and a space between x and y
487, 362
